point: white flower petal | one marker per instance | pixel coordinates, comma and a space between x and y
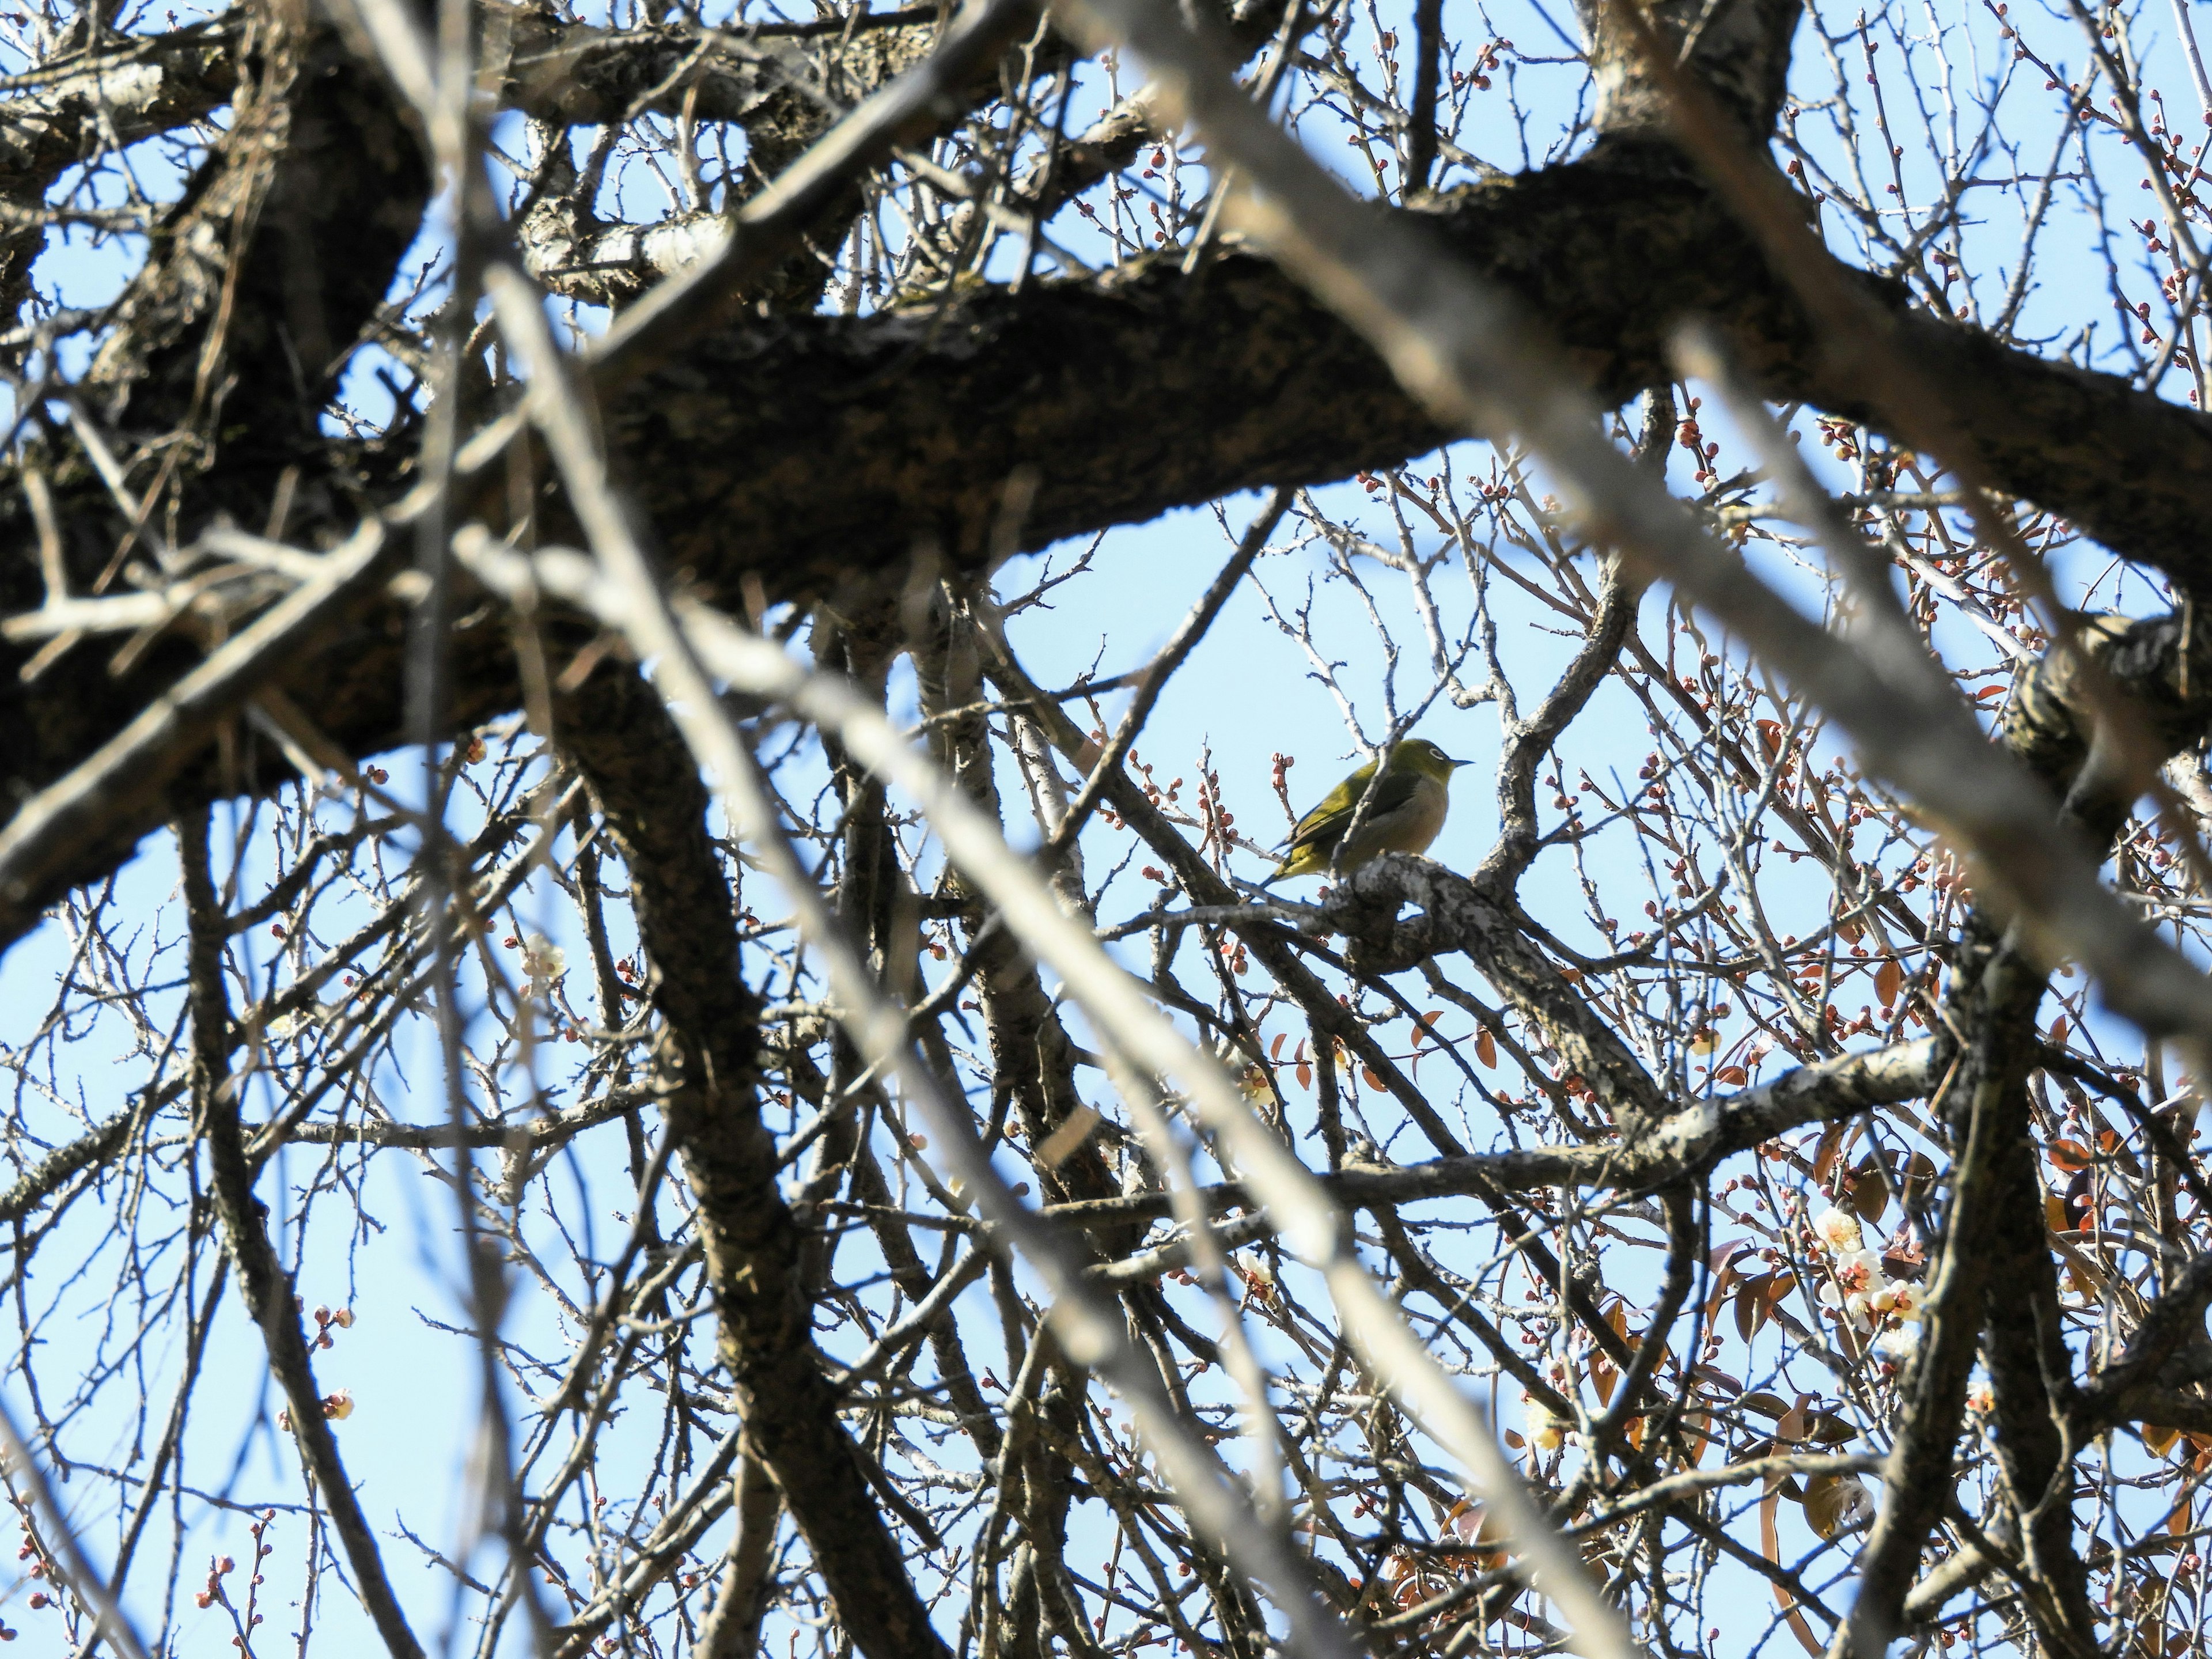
1839, 1230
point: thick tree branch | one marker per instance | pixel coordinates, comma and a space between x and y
1688, 1144
1258, 386
649, 789
92, 100
268, 268
2142, 1382
852, 440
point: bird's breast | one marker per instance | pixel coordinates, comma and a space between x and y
1419, 821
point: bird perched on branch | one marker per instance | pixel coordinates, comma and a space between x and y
1409, 810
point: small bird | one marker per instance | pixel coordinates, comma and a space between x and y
1409, 810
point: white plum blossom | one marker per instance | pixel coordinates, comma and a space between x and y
1867, 1297
1900, 1299
543, 962
1837, 1230
1856, 1281
1900, 1345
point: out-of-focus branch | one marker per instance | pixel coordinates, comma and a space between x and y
115, 788
1111, 1000
625, 594
109, 95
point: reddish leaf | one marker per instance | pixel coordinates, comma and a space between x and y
1604, 1379
1870, 1194
1828, 1429
1824, 1160
1694, 1426
1919, 1177
1725, 1274
1888, 980
2110, 1145
1769, 1541
1750, 1309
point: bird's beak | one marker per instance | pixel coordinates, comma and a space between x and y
1448, 760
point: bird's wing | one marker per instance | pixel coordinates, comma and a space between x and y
1334, 813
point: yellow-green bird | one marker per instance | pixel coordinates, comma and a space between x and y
1409, 810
